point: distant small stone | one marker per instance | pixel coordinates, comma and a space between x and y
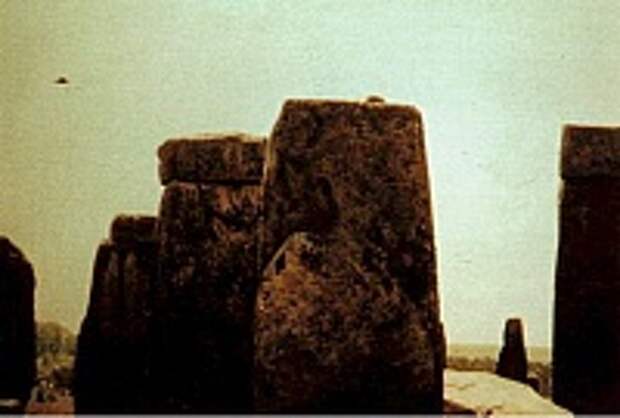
512, 362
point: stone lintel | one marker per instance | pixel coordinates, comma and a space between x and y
133, 229
590, 151
235, 158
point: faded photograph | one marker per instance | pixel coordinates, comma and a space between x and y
310, 207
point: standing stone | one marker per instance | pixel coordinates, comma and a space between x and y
586, 346
111, 369
17, 327
347, 316
208, 272
512, 362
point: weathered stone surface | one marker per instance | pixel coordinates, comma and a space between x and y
347, 313
208, 279
590, 151
212, 158
512, 363
17, 327
586, 346
131, 230
111, 370
485, 394
320, 317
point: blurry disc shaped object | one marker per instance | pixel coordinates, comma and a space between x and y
61, 81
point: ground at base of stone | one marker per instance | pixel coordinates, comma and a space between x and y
486, 394
10, 406
62, 405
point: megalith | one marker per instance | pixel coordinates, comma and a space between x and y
347, 315
111, 367
207, 275
512, 363
17, 326
586, 342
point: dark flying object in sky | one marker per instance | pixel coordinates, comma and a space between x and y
61, 81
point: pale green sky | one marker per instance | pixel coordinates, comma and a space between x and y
495, 80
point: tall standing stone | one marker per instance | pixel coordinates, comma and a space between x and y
112, 370
17, 325
512, 362
586, 346
207, 276
347, 316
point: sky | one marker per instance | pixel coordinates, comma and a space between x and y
495, 81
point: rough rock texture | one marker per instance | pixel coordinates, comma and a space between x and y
207, 275
111, 370
485, 394
512, 362
590, 151
235, 158
586, 347
17, 326
347, 313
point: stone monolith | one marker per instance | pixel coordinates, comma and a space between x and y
17, 328
208, 272
347, 315
512, 362
111, 369
586, 343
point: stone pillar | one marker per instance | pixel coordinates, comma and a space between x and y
586, 345
111, 369
512, 362
207, 274
17, 327
347, 316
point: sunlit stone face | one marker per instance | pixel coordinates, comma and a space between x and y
348, 295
